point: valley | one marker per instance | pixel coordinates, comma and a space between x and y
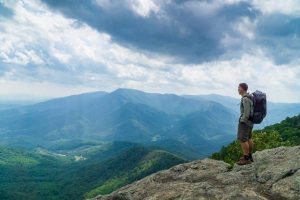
84, 145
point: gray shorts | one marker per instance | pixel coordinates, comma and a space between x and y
244, 132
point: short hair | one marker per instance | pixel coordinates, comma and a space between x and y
244, 86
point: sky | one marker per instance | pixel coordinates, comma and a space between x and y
52, 48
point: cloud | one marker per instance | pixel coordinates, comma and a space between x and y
183, 47
37, 90
259, 71
279, 35
194, 31
288, 7
38, 46
144, 7
190, 30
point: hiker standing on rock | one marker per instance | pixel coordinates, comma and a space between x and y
245, 125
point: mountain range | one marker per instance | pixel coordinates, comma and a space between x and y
83, 145
276, 112
202, 122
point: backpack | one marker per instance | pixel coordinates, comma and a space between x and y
259, 107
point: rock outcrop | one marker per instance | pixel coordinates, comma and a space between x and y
274, 174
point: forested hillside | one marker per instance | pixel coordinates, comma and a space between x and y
285, 133
41, 174
289, 129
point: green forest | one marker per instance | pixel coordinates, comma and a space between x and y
27, 174
285, 133
59, 173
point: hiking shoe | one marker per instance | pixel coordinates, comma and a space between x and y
243, 161
250, 158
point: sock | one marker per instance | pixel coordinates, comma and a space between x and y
246, 157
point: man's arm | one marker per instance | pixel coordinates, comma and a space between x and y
247, 107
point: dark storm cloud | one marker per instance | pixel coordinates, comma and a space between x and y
280, 35
184, 29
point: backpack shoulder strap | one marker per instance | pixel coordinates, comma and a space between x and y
251, 98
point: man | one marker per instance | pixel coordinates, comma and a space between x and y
245, 125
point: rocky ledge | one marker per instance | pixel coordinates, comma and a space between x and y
274, 174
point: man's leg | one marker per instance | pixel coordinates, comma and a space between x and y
245, 159
243, 137
251, 144
245, 148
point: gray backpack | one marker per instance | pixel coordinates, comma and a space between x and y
259, 107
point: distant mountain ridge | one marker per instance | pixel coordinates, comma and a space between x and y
203, 122
84, 145
276, 112
122, 115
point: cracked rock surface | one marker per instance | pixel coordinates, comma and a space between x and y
274, 174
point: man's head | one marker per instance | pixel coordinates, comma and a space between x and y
242, 89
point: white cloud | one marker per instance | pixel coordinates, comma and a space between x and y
47, 54
38, 89
246, 27
43, 46
144, 7
260, 72
289, 7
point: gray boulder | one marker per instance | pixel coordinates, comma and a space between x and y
274, 174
